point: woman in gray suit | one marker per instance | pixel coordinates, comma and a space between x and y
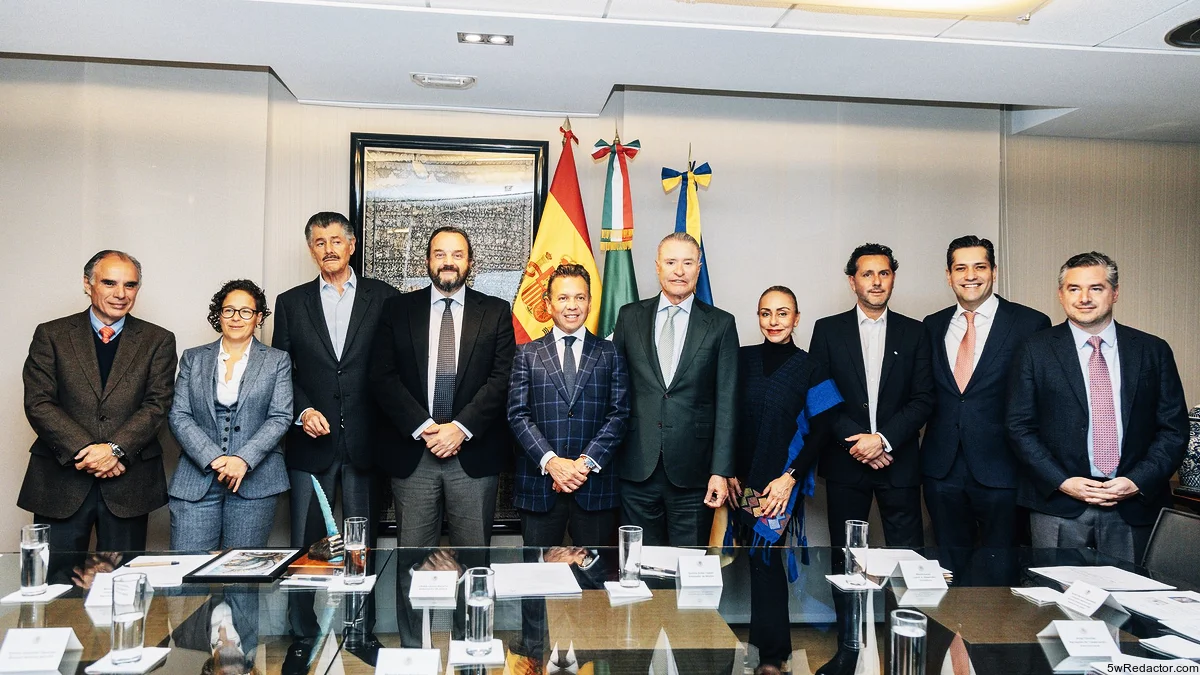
233, 404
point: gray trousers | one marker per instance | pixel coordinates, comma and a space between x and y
437, 487
1098, 527
356, 487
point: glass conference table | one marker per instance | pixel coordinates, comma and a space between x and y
270, 628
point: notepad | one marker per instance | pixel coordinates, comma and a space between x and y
523, 580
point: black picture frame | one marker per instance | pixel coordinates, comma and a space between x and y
215, 572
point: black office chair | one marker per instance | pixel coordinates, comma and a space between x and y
1173, 546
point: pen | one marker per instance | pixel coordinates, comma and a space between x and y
313, 577
663, 570
163, 563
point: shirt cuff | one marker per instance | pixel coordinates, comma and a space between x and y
887, 447
546, 460
421, 429
300, 417
590, 463
463, 429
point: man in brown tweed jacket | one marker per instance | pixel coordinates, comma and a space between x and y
98, 385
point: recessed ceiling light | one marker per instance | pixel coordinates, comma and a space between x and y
1186, 36
440, 81
485, 39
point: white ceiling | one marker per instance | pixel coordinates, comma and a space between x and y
1103, 63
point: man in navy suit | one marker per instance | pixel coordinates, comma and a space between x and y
1096, 415
970, 471
569, 420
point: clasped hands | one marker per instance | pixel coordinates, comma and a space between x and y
98, 459
568, 475
868, 449
230, 469
443, 440
1099, 492
774, 498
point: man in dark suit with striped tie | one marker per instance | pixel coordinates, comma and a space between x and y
440, 365
568, 404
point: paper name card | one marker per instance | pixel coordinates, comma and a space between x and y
1084, 598
701, 571
36, 650
922, 575
1173, 645
702, 597
1083, 638
433, 585
912, 598
101, 592
409, 661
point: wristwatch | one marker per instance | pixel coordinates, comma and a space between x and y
791, 473
117, 451
591, 464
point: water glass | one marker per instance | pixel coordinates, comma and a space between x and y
908, 642
130, 602
630, 555
856, 540
354, 533
35, 558
479, 588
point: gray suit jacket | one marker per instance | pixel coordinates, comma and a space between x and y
68, 411
691, 422
264, 412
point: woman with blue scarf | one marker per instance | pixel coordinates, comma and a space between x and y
781, 390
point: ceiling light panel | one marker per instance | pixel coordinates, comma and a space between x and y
1069, 22
716, 13
495, 39
584, 8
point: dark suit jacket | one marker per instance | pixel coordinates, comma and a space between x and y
974, 419
399, 363
68, 411
1048, 418
590, 420
691, 423
905, 396
337, 388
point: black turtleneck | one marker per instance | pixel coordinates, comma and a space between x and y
775, 355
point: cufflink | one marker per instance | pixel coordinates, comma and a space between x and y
591, 464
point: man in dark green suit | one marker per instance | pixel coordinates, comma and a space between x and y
682, 357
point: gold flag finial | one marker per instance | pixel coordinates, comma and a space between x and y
566, 125
616, 135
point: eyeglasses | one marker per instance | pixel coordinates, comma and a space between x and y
245, 312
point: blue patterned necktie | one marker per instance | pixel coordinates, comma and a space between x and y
569, 365
443, 383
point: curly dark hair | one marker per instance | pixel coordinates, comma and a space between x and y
218, 301
870, 249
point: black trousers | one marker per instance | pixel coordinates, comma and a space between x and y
113, 533
770, 623
899, 509
667, 514
589, 529
965, 511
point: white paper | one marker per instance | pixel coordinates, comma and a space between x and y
160, 572
151, 657
622, 595
1162, 605
1173, 645
882, 562
460, 657
101, 592
698, 598
840, 580
36, 650
1083, 598
517, 580
922, 575
408, 662
433, 585
663, 561
1083, 638
700, 571
52, 592
1107, 577
332, 584
1038, 595
1188, 628
914, 598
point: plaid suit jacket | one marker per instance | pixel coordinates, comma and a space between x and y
545, 417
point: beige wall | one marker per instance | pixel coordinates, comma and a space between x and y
1137, 202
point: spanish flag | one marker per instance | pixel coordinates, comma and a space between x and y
562, 238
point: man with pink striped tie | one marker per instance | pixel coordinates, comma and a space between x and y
1096, 415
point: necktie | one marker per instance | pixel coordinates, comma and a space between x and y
443, 383
106, 334
964, 363
666, 345
569, 365
1105, 452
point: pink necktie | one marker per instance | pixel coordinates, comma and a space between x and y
964, 363
1105, 452
106, 334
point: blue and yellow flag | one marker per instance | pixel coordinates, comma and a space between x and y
687, 214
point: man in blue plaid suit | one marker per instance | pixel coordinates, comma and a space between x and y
568, 405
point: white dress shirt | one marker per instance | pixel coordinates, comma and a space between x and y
436, 307
1108, 348
227, 392
984, 316
872, 333
337, 308
577, 350
681, 325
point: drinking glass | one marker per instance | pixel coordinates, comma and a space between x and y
856, 540
35, 558
130, 602
354, 534
630, 555
479, 587
908, 642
